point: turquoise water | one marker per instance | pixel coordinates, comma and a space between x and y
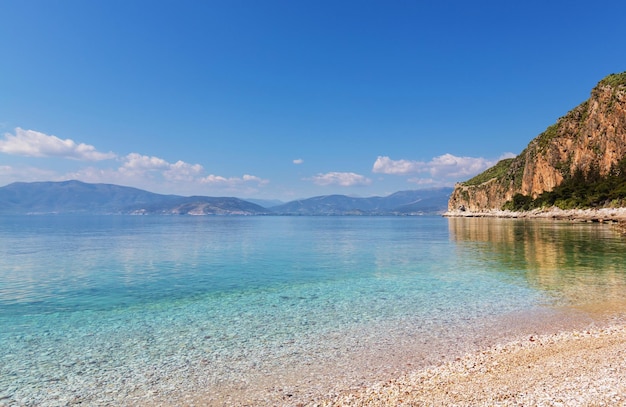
121, 309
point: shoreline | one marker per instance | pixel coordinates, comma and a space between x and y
613, 216
573, 368
490, 367
577, 215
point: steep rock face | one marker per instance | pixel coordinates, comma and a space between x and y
591, 136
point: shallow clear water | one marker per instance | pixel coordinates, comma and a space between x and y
104, 309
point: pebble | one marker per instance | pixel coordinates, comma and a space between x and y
570, 369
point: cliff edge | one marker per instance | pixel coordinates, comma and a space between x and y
590, 139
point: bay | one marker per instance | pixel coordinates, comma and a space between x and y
129, 310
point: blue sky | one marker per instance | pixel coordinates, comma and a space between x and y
290, 99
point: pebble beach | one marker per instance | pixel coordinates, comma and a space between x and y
555, 365
551, 366
574, 368
576, 215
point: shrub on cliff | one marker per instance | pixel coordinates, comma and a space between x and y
580, 190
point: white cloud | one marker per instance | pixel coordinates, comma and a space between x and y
137, 165
182, 171
385, 165
344, 179
442, 167
298, 161
32, 143
214, 179
448, 166
232, 181
253, 178
135, 162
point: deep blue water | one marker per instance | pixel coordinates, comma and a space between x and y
90, 300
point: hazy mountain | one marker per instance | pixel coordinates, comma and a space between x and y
425, 201
266, 203
80, 197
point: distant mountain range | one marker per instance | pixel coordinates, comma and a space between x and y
418, 202
75, 197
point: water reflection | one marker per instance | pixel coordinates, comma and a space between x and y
581, 264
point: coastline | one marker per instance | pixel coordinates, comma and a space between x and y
570, 357
580, 215
614, 216
570, 368
366, 375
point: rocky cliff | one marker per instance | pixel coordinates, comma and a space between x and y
591, 137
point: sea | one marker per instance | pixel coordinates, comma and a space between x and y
271, 310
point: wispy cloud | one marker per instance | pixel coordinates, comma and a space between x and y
155, 174
298, 161
32, 143
28, 174
344, 179
232, 181
443, 167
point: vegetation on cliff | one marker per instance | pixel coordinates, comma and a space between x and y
580, 191
497, 171
615, 80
